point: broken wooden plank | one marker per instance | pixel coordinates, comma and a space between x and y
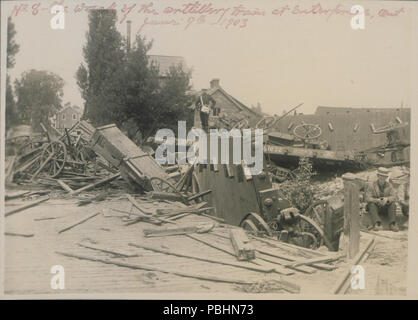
26, 235
229, 250
351, 216
10, 173
340, 284
216, 261
178, 231
65, 186
309, 253
111, 251
43, 164
198, 195
157, 269
80, 221
314, 260
179, 216
281, 262
244, 250
169, 232
10, 196
96, 184
26, 206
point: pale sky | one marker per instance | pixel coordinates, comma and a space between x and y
279, 61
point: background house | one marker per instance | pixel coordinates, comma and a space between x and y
229, 108
67, 117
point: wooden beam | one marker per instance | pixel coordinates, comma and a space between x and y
340, 284
10, 173
243, 248
26, 235
80, 221
26, 206
111, 251
198, 195
157, 269
96, 184
65, 186
351, 216
10, 196
313, 261
216, 261
229, 250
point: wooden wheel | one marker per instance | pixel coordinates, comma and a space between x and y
254, 222
307, 131
309, 226
53, 158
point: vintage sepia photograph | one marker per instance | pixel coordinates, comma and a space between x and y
207, 148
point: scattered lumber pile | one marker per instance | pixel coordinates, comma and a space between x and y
84, 158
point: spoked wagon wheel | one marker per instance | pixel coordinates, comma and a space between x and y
162, 185
254, 222
266, 123
312, 233
307, 131
53, 159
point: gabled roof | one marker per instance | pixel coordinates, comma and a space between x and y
233, 100
75, 109
165, 62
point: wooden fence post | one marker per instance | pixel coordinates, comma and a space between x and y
351, 216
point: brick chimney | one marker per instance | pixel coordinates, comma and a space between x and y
214, 83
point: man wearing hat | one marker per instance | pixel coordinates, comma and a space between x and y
381, 200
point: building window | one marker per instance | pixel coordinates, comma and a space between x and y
63, 116
74, 116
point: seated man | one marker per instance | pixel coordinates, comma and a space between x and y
381, 200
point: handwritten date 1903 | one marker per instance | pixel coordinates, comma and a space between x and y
231, 22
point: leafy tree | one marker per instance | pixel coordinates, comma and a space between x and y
12, 46
12, 50
139, 88
103, 60
39, 96
11, 114
173, 100
124, 88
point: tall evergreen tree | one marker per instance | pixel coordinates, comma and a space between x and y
12, 46
103, 60
12, 50
124, 88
